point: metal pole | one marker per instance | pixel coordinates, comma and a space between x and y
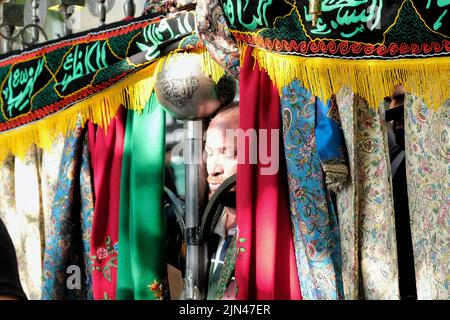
195, 179
64, 11
6, 43
35, 20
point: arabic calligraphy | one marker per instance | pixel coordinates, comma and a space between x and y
81, 61
431, 4
179, 91
348, 17
20, 86
257, 20
158, 33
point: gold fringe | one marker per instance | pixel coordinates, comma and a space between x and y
132, 92
371, 79
210, 67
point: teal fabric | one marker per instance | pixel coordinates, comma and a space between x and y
68, 240
314, 221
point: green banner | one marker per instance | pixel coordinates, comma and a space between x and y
41, 81
350, 29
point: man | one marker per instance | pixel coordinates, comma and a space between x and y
10, 287
221, 161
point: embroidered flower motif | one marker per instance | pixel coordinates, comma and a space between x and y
369, 145
156, 287
311, 250
303, 228
116, 247
105, 260
429, 192
102, 253
380, 170
240, 248
420, 112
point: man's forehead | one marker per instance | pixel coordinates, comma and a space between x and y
220, 133
220, 139
230, 121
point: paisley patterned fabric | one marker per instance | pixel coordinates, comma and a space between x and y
67, 244
316, 232
51, 160
365, 204
21, 212
427, 135
27, 188
212, 28
157, 6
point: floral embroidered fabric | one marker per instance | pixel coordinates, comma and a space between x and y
212, 28
427, 134
365, 204
316, 232
21, 212
67, 242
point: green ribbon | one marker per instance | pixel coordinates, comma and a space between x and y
142, 231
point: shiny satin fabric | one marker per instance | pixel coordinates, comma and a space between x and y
142, 263
265, 266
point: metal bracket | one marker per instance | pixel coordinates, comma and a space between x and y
193, 236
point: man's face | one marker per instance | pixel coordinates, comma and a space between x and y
221, 154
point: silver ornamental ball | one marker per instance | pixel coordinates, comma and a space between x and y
186, 93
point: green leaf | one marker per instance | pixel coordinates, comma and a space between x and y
107, 273
112, 261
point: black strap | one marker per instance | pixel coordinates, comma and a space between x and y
395, 164
212, 214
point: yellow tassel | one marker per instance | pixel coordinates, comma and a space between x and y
371, 79
132, 92
210, 67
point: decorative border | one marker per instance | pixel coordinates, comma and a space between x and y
349, 50
53, 108
345, 49
90, 37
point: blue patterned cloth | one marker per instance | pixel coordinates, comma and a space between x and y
67, 245
316, 232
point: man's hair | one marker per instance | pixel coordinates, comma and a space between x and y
227, 110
